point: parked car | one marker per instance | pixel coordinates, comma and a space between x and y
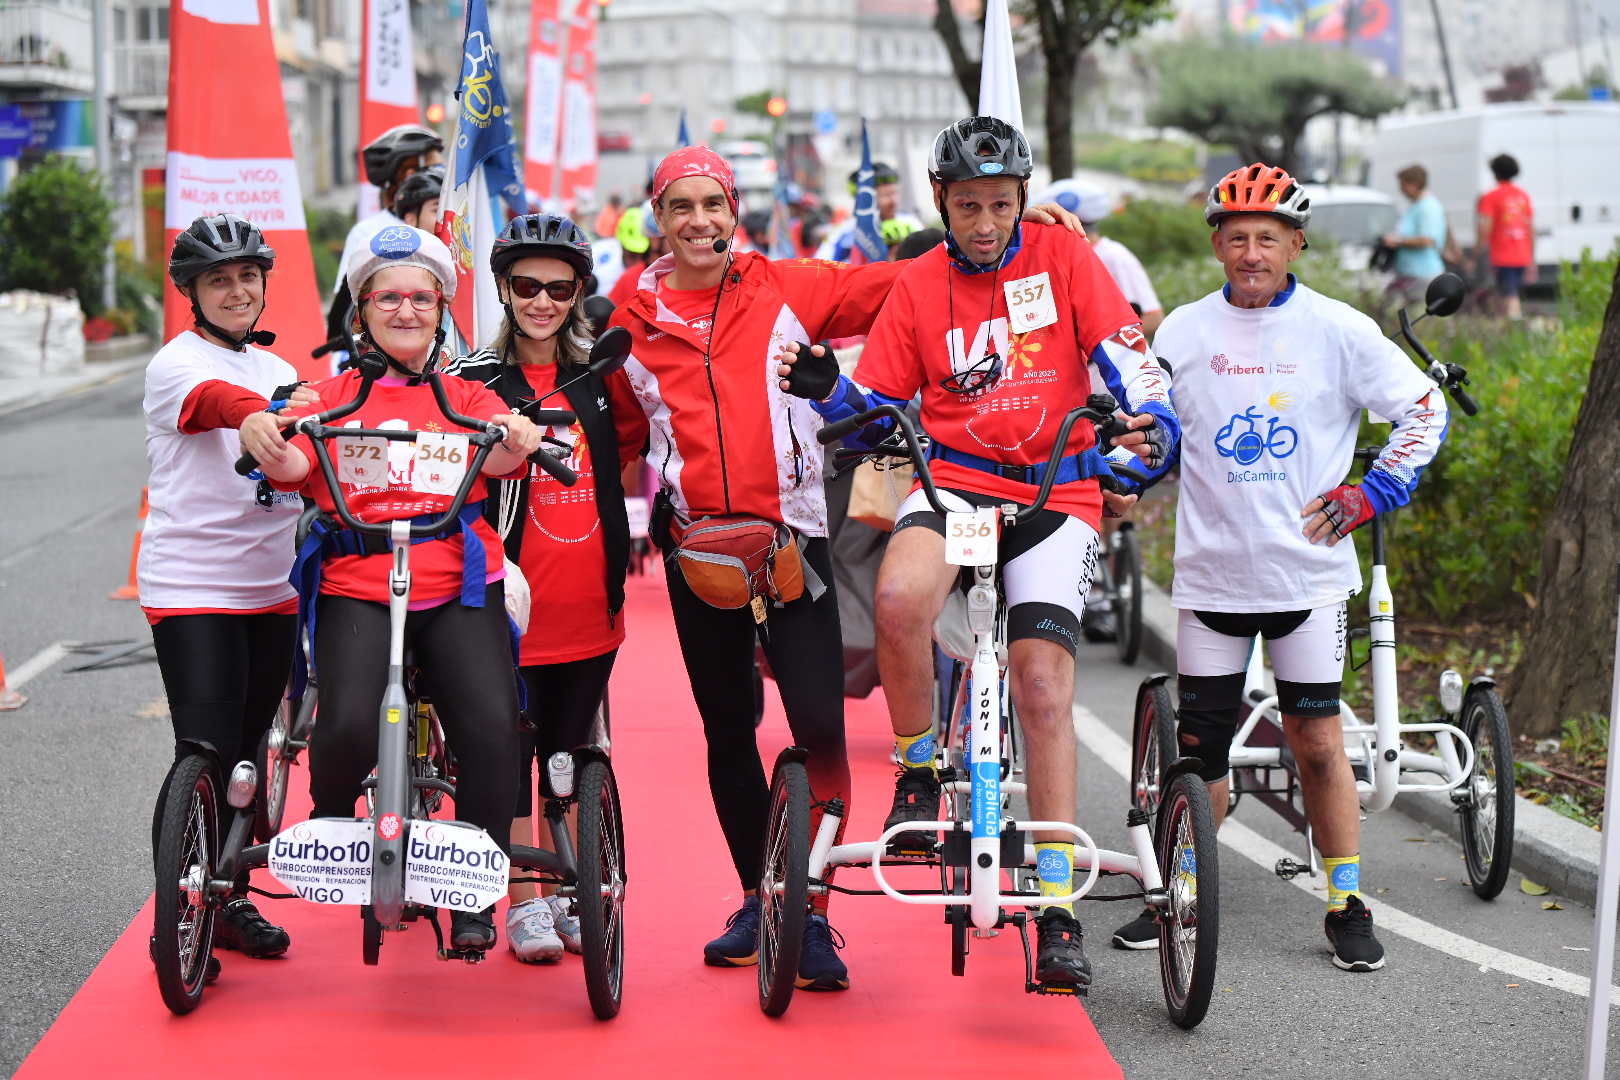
1353, 218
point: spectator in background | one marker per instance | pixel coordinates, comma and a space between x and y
608, 220
886, 181
1507, 227
641, 244
1419, 237
417, 203
1091, 205
918, 243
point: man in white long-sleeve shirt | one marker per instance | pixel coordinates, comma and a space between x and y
1271, 382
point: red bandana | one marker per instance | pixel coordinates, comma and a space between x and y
695, 161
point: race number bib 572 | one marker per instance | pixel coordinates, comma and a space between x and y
1030, 304
440, 462
363, 462
970, 539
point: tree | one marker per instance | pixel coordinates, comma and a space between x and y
1568, 664
1067, 29
1259, 98
54, 228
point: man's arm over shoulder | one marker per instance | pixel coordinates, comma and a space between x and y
832, 300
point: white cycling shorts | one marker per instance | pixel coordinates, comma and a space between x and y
1312, 652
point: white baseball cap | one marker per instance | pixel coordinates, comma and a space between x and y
401, 245
1088, 202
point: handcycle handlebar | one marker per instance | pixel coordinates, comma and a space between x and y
1449, 376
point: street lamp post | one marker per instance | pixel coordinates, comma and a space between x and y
109, 283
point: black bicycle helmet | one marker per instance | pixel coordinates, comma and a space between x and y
418, 188
550, 235
214, 241
882, 173
398, 144
978, 147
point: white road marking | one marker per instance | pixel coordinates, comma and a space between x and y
37, 664
1115, 753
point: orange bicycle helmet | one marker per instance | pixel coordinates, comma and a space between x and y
1259, 189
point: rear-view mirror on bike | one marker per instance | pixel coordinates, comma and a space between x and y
1444, 296
610, 352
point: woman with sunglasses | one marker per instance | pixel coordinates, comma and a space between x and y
572, 544
457, 625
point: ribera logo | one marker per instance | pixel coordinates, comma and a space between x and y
1220, 365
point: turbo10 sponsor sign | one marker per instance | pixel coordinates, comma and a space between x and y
262, 190
449, 865
325, 860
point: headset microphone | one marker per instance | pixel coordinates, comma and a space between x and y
720, 246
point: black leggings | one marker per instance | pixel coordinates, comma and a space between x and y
224, 675
562, 704
466, 655
805, 647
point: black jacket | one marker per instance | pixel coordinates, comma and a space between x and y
588, 398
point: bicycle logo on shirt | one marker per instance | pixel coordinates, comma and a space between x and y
1247, 445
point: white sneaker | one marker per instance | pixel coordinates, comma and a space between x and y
531, 933
567, 925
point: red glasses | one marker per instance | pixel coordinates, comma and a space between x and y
391, 299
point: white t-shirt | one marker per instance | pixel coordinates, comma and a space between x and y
607, 263
360, 238
208, 543
1126, 270
1270, 401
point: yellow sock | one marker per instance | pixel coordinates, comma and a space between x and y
916, 751
1344, 880
1054, 863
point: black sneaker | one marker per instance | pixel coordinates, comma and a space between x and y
819, 965
240, 927
214, 966
916, 798
1141, 932
473, 929
1061, 961
1350, 933
739, 945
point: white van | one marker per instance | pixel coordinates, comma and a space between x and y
1354, 218
1569, 162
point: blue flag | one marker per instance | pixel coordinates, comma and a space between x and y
682, 139
781, 241
484, 123
868, 238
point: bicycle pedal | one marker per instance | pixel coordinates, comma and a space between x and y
1288, 869
1057, 989
467, 956
910, 851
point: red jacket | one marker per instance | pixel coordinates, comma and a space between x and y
725, 438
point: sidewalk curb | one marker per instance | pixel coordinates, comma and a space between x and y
53, 387
1549, 849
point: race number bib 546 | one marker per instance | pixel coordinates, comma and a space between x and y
440, 462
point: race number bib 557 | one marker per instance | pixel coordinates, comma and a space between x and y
440, 462
970, 539
1030, 304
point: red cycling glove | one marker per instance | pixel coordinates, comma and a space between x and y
1347, 508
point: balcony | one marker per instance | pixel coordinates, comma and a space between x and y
141, 76
46, 45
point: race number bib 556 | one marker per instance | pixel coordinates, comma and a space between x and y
440, 462
970, 539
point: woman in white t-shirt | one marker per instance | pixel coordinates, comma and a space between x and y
218, 547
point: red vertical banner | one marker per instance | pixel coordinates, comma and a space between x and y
543, 102
387, 81
578, 149
230, 152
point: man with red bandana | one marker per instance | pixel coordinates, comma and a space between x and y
710, 325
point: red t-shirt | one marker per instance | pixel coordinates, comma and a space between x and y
563, 556
939, 321
629, 281
435, 565
695, 306
1508, 207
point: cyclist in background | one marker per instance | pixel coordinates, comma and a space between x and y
1091, 205
457, 625
1271, 382
572, 544
841, 240
993, 398
417, 203
214, 558
642, 245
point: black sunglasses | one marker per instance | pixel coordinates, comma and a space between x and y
527, 288
982, 376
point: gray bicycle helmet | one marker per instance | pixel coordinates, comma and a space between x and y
550, 235
387, 151
418, 188
978, 147
214, 241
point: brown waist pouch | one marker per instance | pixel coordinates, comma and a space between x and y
735, 562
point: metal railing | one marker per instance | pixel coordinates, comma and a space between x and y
141, 70
46, 36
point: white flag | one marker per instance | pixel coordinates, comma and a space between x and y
998, 77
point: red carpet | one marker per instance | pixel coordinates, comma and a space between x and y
319, 1012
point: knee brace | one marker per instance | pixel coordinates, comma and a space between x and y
1207, 721
1051, 622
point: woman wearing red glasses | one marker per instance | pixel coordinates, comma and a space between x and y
572, 544
457, 625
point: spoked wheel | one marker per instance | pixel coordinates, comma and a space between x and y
274, 763
600, 896
1125, 561
1153, 742
1487, 816
784, 884
188, 846
1189, 931
370, 936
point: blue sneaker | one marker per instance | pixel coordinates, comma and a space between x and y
739, 945
819, 966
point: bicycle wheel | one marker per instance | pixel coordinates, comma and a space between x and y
371, 933
1101, 622
274, 764
783, 886
1126, 560
188, 847
1487, 815
1153, 742
600, 895
1189, 931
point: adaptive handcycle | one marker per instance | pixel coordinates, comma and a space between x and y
1173, 859
1472, 757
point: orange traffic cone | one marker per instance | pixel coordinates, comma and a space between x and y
9, 699
132, 591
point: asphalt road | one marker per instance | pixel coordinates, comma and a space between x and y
84, 758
